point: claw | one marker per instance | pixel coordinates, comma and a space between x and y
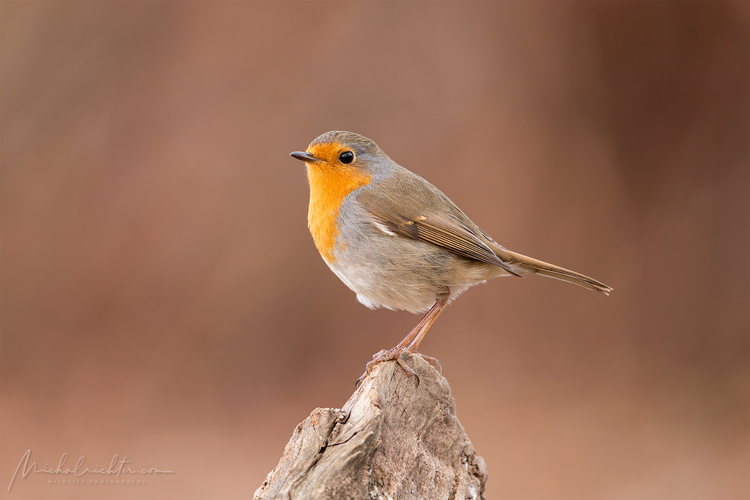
408, 369
434, 362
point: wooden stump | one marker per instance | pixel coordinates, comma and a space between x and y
393, 439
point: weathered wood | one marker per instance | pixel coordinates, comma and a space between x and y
393, 439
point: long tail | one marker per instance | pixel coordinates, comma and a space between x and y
529, 264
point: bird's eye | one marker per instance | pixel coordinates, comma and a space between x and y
346, 157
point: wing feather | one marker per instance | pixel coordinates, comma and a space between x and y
444, 231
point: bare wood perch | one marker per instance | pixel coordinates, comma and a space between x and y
392, 439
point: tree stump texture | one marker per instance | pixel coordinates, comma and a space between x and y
393, 439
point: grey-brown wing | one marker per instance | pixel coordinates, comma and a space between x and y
444, 231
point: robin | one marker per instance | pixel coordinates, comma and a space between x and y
397, 241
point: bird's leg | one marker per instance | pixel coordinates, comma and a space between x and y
410, 342
428, 320
426, 323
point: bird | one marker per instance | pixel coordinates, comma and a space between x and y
397, 241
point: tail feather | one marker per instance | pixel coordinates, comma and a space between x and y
551, 271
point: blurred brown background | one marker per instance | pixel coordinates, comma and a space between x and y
162, 298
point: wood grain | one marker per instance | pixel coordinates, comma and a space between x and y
394, 438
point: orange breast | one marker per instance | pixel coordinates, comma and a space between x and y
329, 185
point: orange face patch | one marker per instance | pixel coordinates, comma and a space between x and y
330, 183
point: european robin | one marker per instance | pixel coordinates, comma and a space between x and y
397, 241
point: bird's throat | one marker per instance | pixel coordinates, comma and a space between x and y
329, 186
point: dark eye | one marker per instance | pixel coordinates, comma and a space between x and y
346, 157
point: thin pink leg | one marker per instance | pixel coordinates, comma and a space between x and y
410, 342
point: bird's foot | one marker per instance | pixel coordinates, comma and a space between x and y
396, 354
388, 355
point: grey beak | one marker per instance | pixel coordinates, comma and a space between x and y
306, 157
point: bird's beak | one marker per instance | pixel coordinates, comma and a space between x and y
306, 157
